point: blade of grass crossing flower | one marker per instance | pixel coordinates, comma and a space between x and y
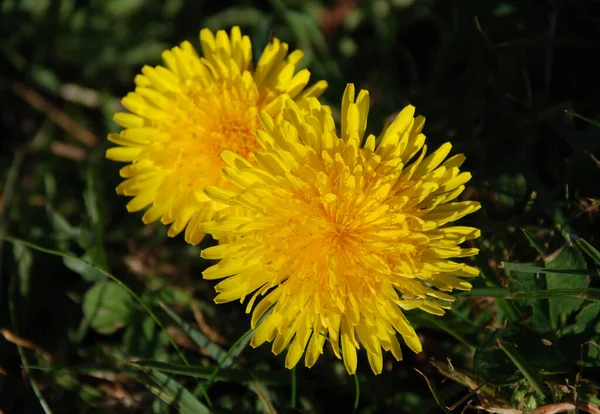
520, 362
588, 249
236, 349
218, 354
174, 394
233, 352
107, 274
14, 321
434, 392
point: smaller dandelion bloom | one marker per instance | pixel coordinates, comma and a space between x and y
343, 234
184, 114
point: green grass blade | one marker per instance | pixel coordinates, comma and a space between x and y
33, 382
434, 392
529, 268
85, 370
521, 363
588, 249
591, 294
230, 356
235, 350
443, 325
263, 396
224, 374
14, 321
107, 274
536, 245
174, 394
5, 202
214, 350
588, 120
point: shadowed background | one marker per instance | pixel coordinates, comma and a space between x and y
502, 80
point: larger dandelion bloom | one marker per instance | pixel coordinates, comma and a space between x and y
341, 236
183, 115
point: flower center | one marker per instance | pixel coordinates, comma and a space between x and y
340, 237
227, 114
208, 120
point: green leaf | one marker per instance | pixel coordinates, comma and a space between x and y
110, 276
496, 367
532, 282
174, 394
583, 348
567, 258
94, 245
62, 225
510, 189
87, 273
526, 369
591, 352
107, 307
85, 391
45, 78
24, 260
589, 318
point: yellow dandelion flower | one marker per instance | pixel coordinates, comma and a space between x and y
183, 115
342, 235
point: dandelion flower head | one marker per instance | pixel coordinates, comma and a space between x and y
344, 233
184, 114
